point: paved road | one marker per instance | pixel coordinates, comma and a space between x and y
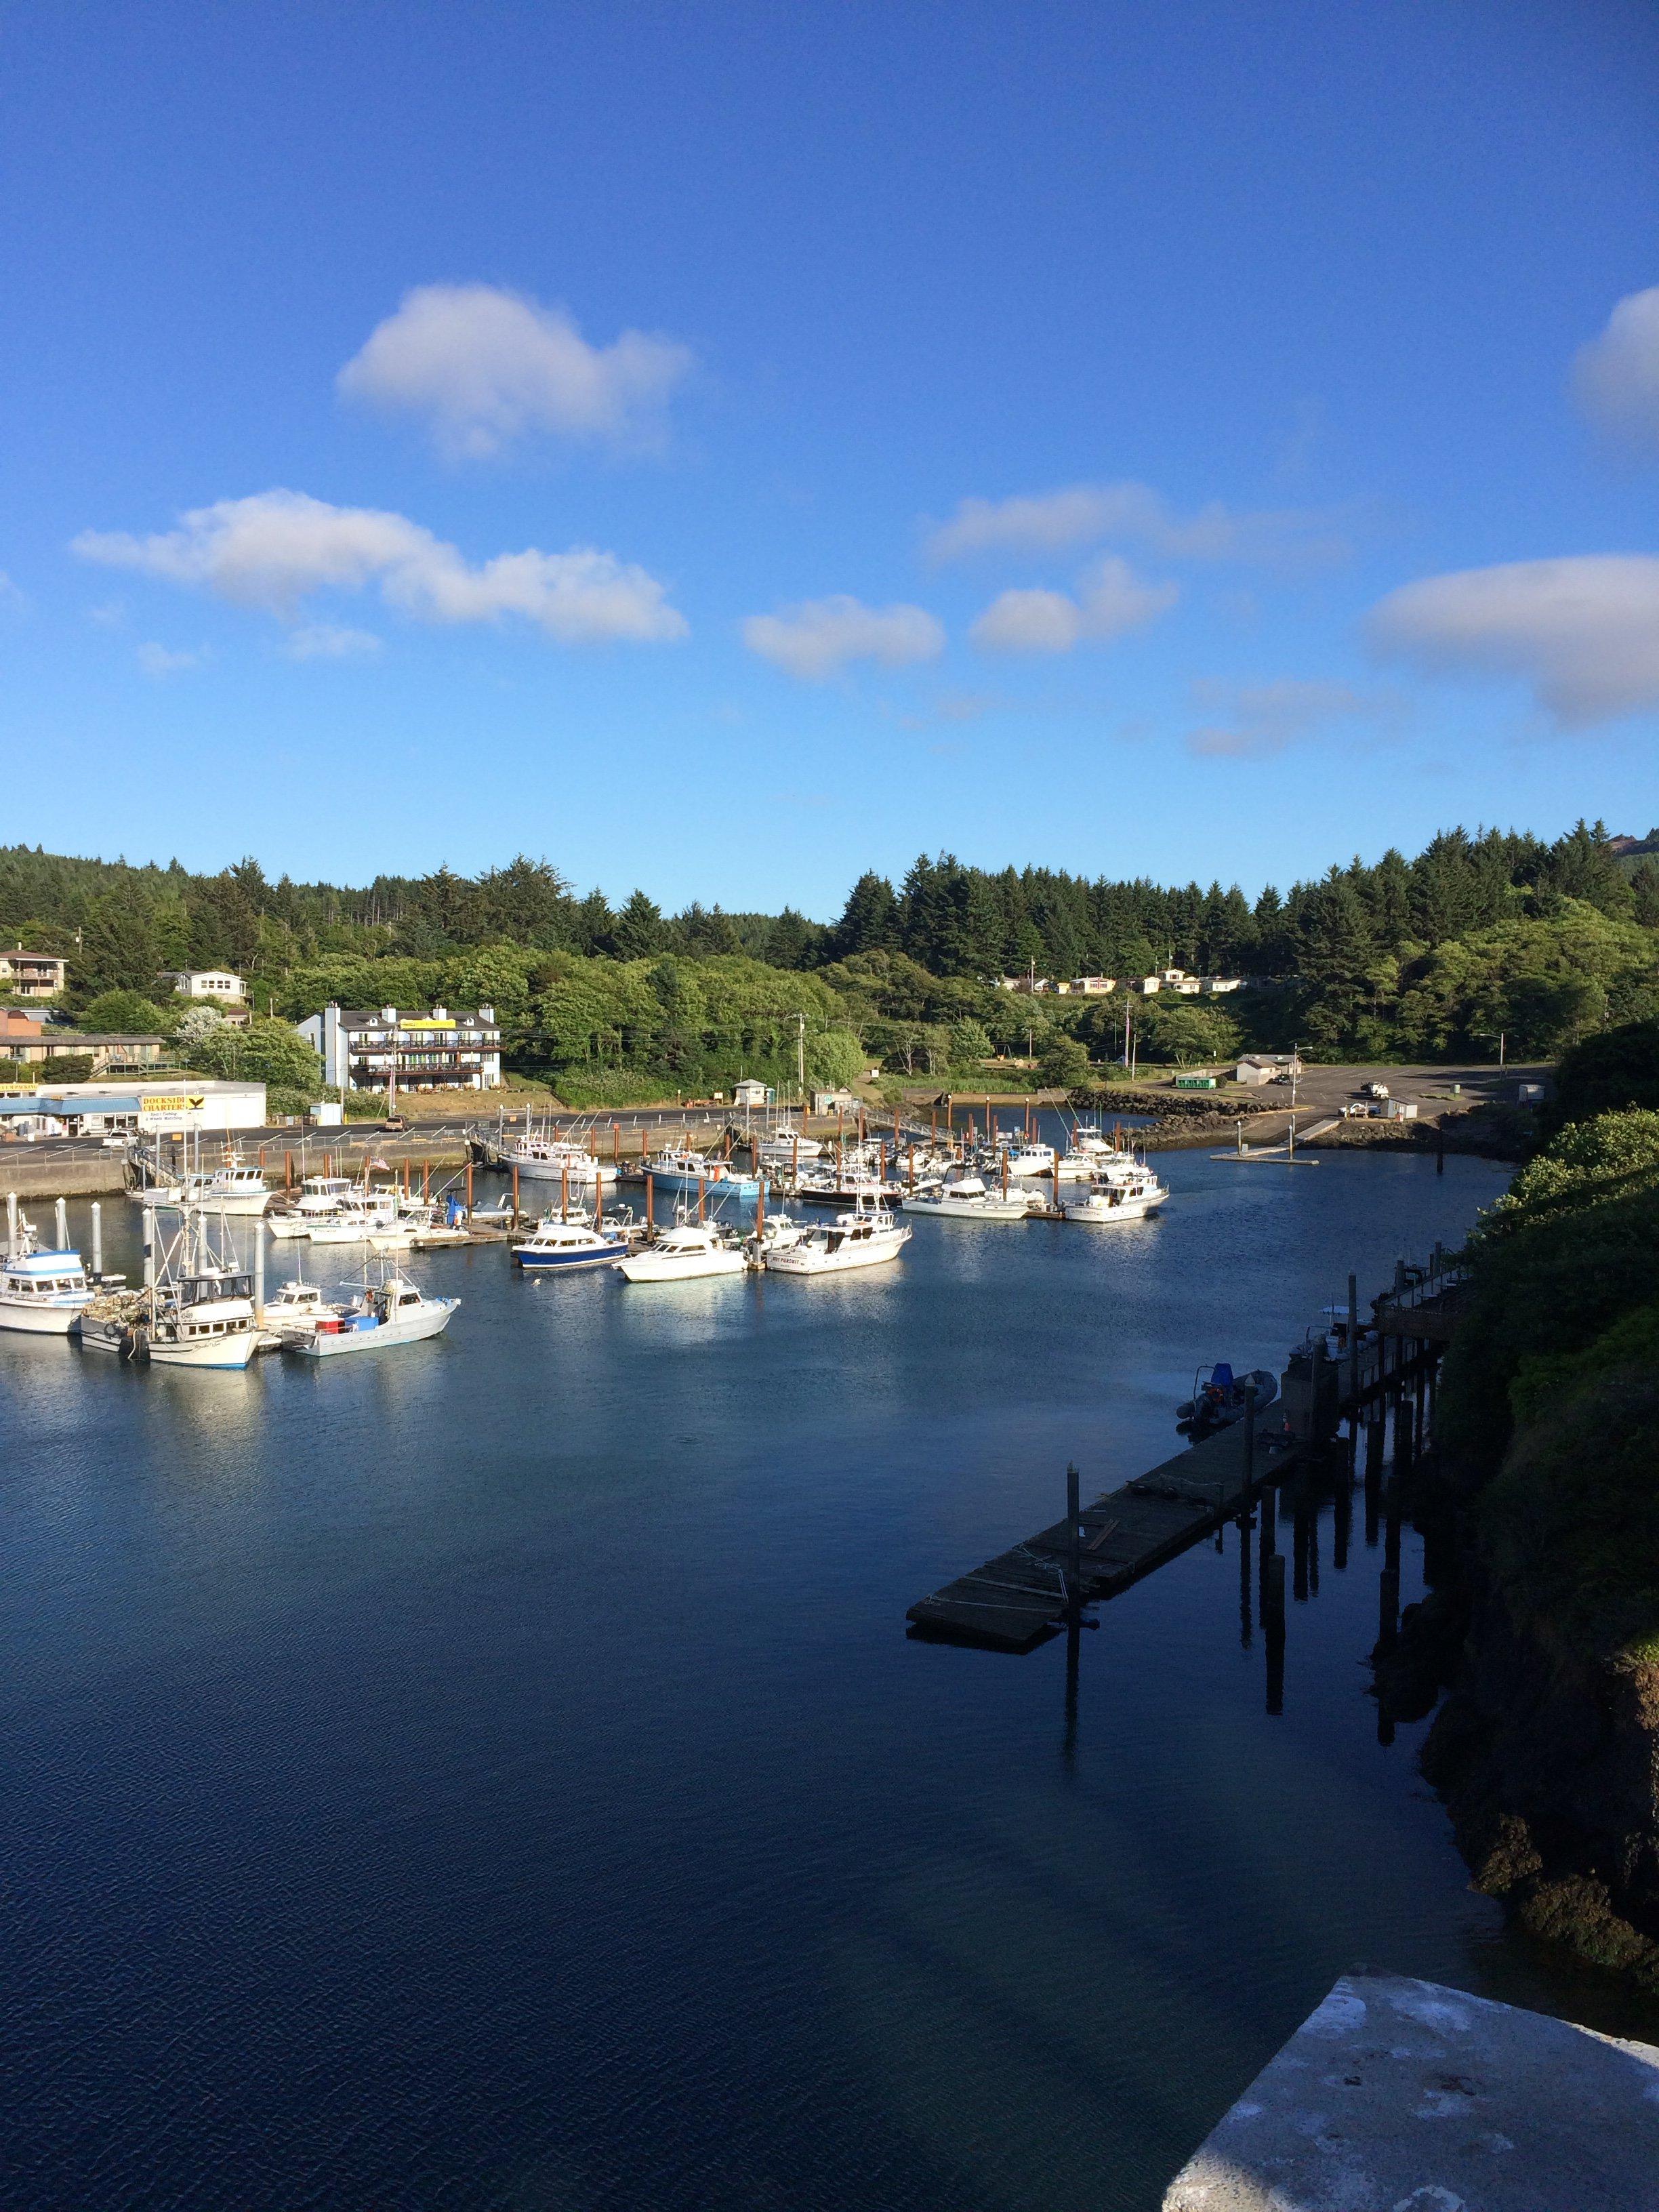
1318, 1090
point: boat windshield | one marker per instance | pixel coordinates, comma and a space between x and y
202, 1290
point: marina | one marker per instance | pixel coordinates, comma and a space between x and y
554, 1712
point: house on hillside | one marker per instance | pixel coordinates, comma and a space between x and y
31, 975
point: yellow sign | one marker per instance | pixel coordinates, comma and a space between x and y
179, 1103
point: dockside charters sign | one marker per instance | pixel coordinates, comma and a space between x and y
161, 1111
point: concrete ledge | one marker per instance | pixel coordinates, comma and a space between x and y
1402, 2096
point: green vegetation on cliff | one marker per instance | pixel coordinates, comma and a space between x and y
1551, 1401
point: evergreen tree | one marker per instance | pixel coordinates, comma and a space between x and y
639, 929
118, 949
869, 921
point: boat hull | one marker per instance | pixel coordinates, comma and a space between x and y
968, 1209
1093, 1215
813, 1260
582, 1176
229, 1351
666, 1267
40, 1319
744, 1186
564, 1263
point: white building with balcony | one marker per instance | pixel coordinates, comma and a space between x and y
31, 975
433, 1051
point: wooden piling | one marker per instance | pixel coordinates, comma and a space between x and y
515, 1194
426, 1180
1075, 1537
1387, 1608
702, 1187
469, 1193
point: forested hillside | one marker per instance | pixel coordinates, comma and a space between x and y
1428, 958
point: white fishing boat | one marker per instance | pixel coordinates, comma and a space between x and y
41, 1293
545, 1157
557, 1247
384, 1314
863, 1238
688, 1249
1029, 1158
321, 1199
356, 1222
965, 1198
233, 1187
203, 1303
1124, 1189
785, 1145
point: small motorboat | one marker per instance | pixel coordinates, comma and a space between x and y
389, 1312
555, 1247
1219, 1399
686, 1251
297, 1309
1123, 1189
965, 1198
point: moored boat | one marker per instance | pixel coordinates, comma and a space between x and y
564, 1247
384, 1314
863, 1238
1124, 1189
965, 1198
41, 1293
678, 1168
688, 1249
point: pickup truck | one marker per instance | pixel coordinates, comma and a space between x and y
1372, 1090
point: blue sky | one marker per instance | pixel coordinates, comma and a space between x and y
723, 449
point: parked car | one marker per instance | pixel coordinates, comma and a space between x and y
1372, 1090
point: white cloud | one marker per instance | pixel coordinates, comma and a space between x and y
158, 660
1111, 600
1257, 719
818, 638
1087, 515
1582, 631
276, 548
14, 600
484, 367
330, 642
1616, 375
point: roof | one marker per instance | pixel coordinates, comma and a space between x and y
372, 1018
39, 1104
71, 1040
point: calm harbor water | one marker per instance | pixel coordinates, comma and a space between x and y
494, 1774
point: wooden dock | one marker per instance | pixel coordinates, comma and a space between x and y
1022, 1595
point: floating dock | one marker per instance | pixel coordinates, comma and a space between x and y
1021, 1597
